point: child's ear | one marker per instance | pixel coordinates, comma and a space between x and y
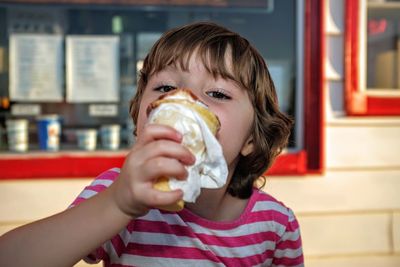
248, 147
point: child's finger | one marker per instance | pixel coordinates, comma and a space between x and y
162, 198
162, 166
154, 132
169, 149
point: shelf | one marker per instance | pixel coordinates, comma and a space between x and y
77, 164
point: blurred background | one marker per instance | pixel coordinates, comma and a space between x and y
68, 70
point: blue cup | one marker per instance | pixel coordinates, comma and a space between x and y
49, 130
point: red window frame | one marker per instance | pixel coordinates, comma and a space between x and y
309, 160
357, 102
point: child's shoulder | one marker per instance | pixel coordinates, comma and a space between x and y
104, 179
266, 205
100, 183
110, 174
261, 195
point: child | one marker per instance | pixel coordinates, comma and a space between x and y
237, 225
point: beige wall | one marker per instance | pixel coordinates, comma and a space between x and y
350, 216
26, 201
347, 217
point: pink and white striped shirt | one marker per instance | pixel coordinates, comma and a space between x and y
266, 234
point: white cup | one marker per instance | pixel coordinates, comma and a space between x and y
87, 139
17, 135
110, 136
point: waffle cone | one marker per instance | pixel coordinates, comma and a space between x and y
186, 98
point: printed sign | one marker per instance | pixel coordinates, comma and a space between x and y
92, 69
36, 62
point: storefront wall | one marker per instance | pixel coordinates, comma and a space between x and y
349, 215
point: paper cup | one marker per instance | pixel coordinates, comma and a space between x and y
110, 136
17, 135
49, 130
87, 139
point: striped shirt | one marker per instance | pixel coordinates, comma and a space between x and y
266, 234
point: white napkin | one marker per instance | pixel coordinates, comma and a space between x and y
210, 169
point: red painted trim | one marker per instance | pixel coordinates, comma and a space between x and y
60, 165
314, 85
389, 106
79, 165
357, 103
290, 164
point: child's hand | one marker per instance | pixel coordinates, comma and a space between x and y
157, 153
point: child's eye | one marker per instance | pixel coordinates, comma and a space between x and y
164, 88
219, 95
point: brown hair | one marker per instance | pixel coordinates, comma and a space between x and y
271, 128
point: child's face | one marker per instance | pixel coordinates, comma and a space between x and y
225, 98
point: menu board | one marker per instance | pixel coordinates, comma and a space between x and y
36, 62
92, 68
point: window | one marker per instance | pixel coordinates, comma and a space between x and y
291, 42
372, 53
383, 46
139, 26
